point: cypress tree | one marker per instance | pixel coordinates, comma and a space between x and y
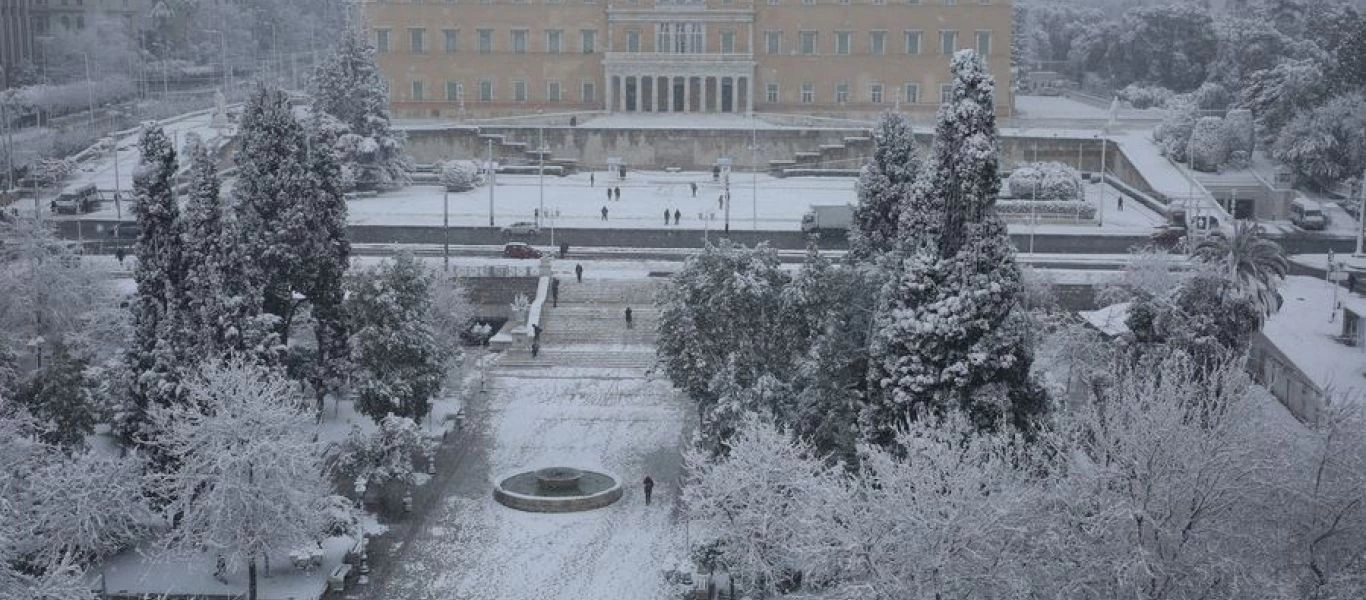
347, 87
327, 263
884, 187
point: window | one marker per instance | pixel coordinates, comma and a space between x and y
727, 42
485, 90
773, 42
844, 2
875, 93
911, 94
771, 93
587, 92
418, 37
452, 38
808, 42
681, 38
948, 42
842, 42
772, 2
519, 41
949, 2
552, 91
912, 42
381, 40
842, 92
879, 2
877, 43
455, 91
80, 21
633, 41
519, 91
808, 92
485, 41
418, 95
945, 93
984, 43
809, 2
915, 2
554, 41
588, 40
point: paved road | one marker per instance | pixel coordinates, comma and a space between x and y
1051, 243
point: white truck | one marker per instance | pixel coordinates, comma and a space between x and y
835, 218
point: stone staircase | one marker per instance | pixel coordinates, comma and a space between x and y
849, 155
588, 328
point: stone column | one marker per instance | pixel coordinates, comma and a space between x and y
735, 94
620, 88
687, 93
719, 81
749, 95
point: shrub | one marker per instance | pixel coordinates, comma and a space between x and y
1045, 181
1174, 134
1240, 130
1046, 208
1209, 144
1211, 96
1145, 96
459, 175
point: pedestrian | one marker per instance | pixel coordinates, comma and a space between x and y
666, 216
555, 293
621, 171
609, 194
715, 172
536, 331
1121, 203
604, 213
649, 489
573, 121
564, 249
1351, 282
578, 272
618, 192
678, 217
628, 317
590, 180
536, 213
535, 348
720, 201
694, 188
119, 253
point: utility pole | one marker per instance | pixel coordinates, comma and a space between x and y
540, 175
89, 91
118, 210
1100, 222
754, 169
489, 167
1361, 217
446, 229
9, 131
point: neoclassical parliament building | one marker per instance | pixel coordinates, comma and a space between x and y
454, 58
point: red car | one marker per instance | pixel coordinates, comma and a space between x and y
520, 250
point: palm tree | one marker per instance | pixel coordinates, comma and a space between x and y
1255, 263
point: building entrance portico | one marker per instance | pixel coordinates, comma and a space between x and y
680, 93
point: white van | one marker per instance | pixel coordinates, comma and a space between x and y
1307, 214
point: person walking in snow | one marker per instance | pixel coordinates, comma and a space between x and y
617, 191
609, 194
1121, 203
604, 213
590, 180
578, 271
564, 249
720, 201
694, 188
666, 216
678, 216
628, 317
555, 293
649, 489
535, 348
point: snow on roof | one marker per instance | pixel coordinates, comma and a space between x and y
1303, 332
1111, 320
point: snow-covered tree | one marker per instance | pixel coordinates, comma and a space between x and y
1173, 135
325, 266
399, 367
451, 313
155, 355
1206, 316
945, 335
247, 478
47, 294
771, 508
1327, 144
386, 455
459, 175
59, 394
1171, 46
1253, 262
1044, 181
1209, 144
274, 191
347, 87
883, 187
1275, 95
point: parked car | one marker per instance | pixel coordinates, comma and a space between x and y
520, 250
126, 231
78, 201
1307, 214
520, 228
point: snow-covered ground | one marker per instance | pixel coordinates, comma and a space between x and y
474, 547
1062, 107
102, 171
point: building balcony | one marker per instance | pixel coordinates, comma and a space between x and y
677, 58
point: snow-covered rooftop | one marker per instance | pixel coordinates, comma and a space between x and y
1304, 332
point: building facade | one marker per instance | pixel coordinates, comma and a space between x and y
453, 58
16, 37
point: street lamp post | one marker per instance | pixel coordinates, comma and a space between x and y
488, 167
1361, 216
753, 169
89, 91
540, 175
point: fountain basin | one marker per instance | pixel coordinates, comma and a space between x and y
557, 489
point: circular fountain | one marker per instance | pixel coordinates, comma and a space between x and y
557, 489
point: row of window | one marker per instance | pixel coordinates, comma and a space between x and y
485, 91
450, 38
690, 38
877, 93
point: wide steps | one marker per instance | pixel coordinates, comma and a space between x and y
569, 357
